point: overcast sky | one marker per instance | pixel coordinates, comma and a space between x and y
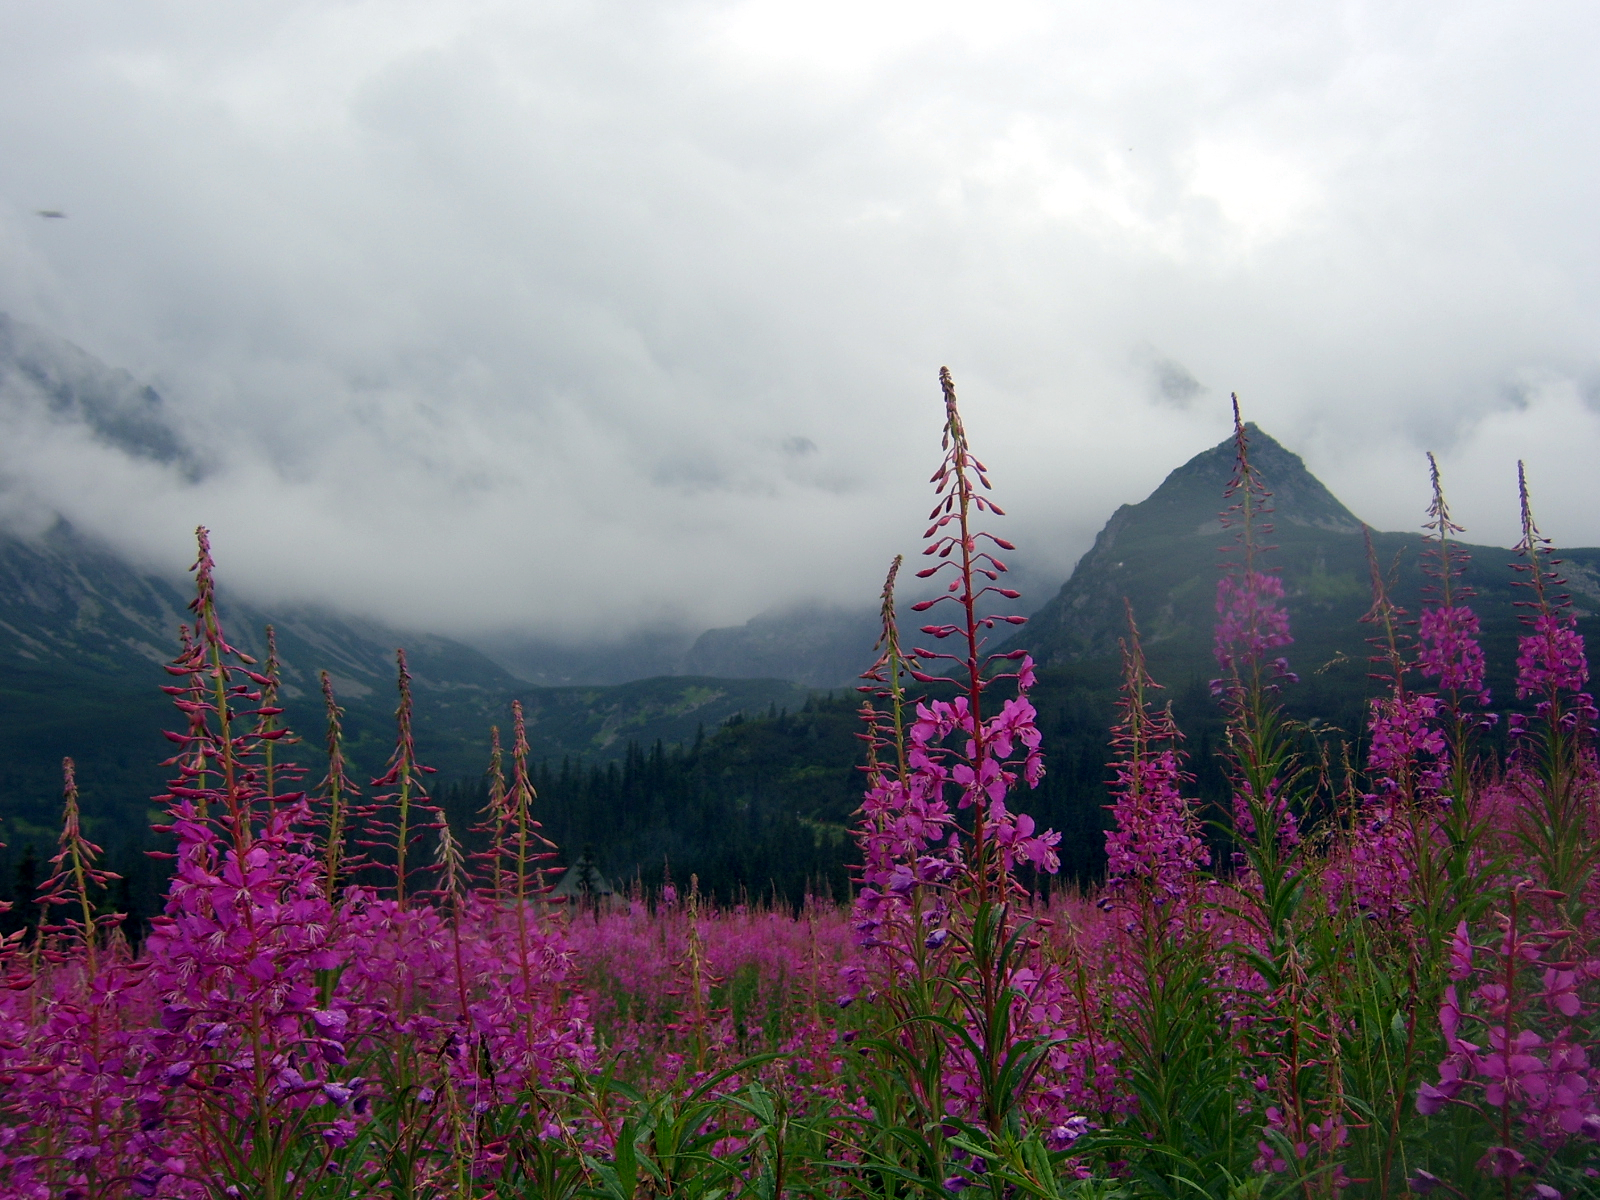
574, 315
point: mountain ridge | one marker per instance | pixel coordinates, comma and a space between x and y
1162, 556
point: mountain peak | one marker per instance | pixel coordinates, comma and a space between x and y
1175, 533
1298, 496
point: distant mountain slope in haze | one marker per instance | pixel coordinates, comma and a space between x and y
821, 647
829, 646
52, 375
642, 654
84, 637
68, 600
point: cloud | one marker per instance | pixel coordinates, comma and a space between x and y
586, 317
1170, 380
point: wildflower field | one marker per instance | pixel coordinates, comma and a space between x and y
1375, 972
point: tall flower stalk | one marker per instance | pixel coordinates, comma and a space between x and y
338, 791
269, 729
496, 820
83, 977
1278, 1019
1451, 657
1390, 855
1266, 770
395, 813
938, 887
234, 958
993, 753
1553, 759
1168, 1015
73, 880
1155, 851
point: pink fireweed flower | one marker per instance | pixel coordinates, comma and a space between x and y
1406, 762
1461, 949
1405, 737
909, 835
1449, 651
1526, 1060
1551, 658
939, 841
1276, 805
1157, 839
1250, 620
1447, 635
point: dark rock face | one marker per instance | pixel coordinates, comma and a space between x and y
68, 602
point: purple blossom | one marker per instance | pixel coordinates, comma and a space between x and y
1551, 658
1156, 843
1157, 836
1405, 736
1251, 621
1449, 651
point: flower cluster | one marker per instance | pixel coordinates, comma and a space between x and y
911, 842
1551, 658
1449, 651
986, 778
225, 1059
1156, 843
1526, 1055
1251, 622
1405, 737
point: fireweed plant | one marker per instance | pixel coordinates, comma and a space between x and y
973, 1007
1372, 971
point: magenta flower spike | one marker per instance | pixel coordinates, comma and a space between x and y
232, 962
338, 792
1251, 619
495, 819
938, 880
1550, 659
268, 730
1251, 624
1552, 763
1448, 649
406, 776
73, 877
1156, 847
991, 754
1388, 854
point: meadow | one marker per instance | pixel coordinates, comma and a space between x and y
1372, 972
